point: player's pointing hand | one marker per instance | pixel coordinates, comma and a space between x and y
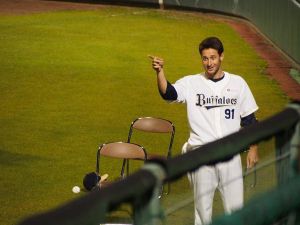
157, 63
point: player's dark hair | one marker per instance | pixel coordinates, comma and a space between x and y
211, 42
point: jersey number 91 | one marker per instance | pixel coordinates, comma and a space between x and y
229, 113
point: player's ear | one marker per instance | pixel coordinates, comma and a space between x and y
222, 56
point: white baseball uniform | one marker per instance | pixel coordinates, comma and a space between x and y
214, 110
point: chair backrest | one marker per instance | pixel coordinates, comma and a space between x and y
121, 150
153, 125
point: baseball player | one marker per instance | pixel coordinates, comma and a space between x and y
218, 104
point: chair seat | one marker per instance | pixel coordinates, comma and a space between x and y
119, 150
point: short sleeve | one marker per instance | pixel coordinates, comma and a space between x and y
181, 87
248, 103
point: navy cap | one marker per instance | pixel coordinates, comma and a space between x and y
91, 180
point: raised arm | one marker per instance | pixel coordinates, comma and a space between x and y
157, 65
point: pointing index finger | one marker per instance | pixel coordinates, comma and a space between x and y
151, 57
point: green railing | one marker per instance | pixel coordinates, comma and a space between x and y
142, 188
276, 205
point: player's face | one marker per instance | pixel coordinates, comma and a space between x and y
211, 61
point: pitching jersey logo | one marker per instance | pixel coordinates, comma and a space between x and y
214, 101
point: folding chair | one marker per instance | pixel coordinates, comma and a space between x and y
154, 125
121, 150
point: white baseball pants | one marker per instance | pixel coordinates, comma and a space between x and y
226, 177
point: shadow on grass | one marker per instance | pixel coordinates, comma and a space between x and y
16, 159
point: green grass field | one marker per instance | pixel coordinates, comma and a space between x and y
73, 80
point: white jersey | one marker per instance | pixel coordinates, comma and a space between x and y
214, 109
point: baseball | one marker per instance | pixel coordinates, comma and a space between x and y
76, 189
